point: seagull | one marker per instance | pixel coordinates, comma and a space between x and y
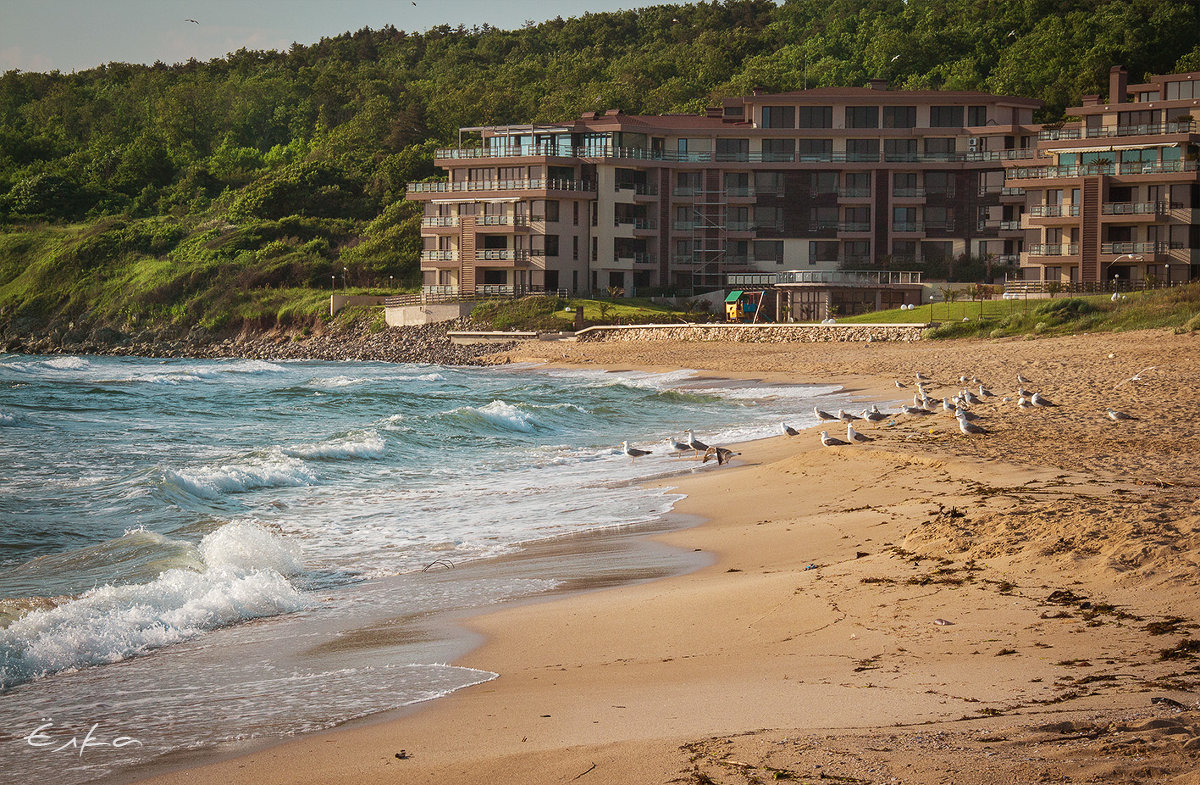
854, 436
985, 393
1011, 34
962, 380
963, 414
976, 380
1021, 391
970, 397
922, 377
1022, 380
894, 59
830, 441
968, 427
1113, 414
915, 410
1038, 400
680, 447
900, 384
788, 430
874, 416
633, 452
720, 453
1137, 377
695, 443
823, 415
193, 21
1023, 402
946, 407
846, 416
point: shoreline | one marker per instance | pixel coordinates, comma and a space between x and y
671, 709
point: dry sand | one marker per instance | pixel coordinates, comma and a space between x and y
1061, 550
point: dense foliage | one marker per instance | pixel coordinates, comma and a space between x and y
162, 192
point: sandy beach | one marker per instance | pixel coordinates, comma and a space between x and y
1018, 606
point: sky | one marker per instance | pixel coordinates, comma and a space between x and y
73, 35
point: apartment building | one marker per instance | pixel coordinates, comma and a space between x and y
822, 179
1115, 196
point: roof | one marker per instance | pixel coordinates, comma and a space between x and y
891, 96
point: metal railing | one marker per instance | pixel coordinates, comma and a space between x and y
439, 256
502, 254
432, 295
908, 226
849, 277
1010, 226
439, 220
1138, 208
1097, 132
501, 185
908, 193
1053, 210
1007, 191
1050, 249
1084, 170
502, 220
1137, 248
854, 226
1018, 288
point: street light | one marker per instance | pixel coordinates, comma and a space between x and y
344, 271
333, 282
1129, 257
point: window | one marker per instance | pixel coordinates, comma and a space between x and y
575, 215
778, 117
862, 149
823, 183
821, 219
904, 250
900, 149
769, 219
575, 247
1138, 119
904, 184
939, 148
862, 116
768, 182
779, 149
768, 251
936, 251
822, 251
939, 184
815, 149
939, 218
737, 183
687, 183
976, 115
1178, 90
858, 219
857, 251
734, 111
904, 219
858, 183
552, 210
814, 117
733, 149
899, 117
945, 117
551, 245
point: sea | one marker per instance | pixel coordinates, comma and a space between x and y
199, 555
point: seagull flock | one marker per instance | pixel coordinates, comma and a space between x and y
923, 406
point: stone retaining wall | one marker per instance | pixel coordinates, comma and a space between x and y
756, 333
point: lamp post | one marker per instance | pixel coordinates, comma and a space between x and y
344, 271
391, 282
333, 282
1125, 257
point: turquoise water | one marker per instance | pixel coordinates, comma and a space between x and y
175, 533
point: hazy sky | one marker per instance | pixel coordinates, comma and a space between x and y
69, 35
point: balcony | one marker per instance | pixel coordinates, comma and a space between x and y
854, 193
907, 227
854, 226
1153, 129
684, 226
1006, 191
1138, 208
438, 221
462, 186
439, 256
739, 192
1053, 250
502, 255
908, 193
1010, 226
741, 226
1053, 210
1008, 258
849, 277
1135, 248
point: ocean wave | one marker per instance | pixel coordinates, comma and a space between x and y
501, 415
431, 377
272, 469
335, 382
244, 576
356, 444
69, 363
8, 419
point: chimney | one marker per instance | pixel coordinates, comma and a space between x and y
878, 84
1091, 100
1118, 82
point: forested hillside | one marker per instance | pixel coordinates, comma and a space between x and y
234, 190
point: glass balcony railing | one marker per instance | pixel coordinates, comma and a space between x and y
1138, 208
907, 226
439, 220
908, 193
1045, 249
500, 185
439, 256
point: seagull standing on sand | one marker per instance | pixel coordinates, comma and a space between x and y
695, 443
788, 430
821, 415
1038, 400
1022, 380
968, 428
985, 392
1023, 402
830, 441
900, 385
679, 447
874, 416
633, 452
846, 416
1113, 414
854, 436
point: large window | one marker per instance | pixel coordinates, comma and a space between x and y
822, 251
814, 117
939, 184
779, 149
976, 115
815, 149
769, 219
939, 148
905, 184
858, 183
856, 251
779, 117
768, 251
899, 117
862, 149
862, 116
1178, 90
768, 182
822, 219
733, 149
900, 149
945, 117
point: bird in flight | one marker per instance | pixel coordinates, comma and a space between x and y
193, 21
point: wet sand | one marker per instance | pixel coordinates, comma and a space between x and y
1019, 606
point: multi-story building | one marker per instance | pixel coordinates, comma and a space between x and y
1116, 194
822, 179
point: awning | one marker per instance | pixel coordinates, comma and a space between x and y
734, 296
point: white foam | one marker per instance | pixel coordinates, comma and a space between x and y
336, 381
66, 363
272, 469
7, 419
243, 578
357, 444
431, 377
504, 415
